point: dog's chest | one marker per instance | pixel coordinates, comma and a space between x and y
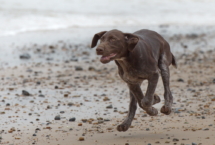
130, 76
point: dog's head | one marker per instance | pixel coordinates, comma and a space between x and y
114, 44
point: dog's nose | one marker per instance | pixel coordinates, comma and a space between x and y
99, 50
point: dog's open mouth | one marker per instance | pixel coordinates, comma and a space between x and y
105, 59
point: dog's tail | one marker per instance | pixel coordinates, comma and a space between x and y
174, 63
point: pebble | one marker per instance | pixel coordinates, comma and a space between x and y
109, 106
34, 135
193, 143
25, 93
81, 139
180, 80
62, 112
175, 139
78, 68
42, 96
57, 117
25, 56
70, 104
147, 129
72, 119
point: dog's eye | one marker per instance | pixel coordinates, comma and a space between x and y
112, 39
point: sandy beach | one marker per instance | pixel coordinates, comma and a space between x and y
58, 93
55, 91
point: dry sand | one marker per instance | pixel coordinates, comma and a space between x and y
68, 80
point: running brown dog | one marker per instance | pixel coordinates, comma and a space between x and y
141, 55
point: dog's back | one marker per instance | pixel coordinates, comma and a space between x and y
157, 44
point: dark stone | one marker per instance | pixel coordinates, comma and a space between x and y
175, 139
78, 68
41, 96
25, 93
62, 112
72, 119
180, 80
56, 87
57, 117
109, 106
34, 135
25, 56
193, 143
8, 104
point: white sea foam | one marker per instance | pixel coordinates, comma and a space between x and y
23, 15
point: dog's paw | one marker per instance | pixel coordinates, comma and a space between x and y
156, 99
123, 127
166, 110
152, 111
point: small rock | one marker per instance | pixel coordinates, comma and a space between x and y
62, 112
57, 117
25, 93
42, 96
34, 135
78, 68
72, 119
147, 129
175, 139
193, 143
81, 139
109, 106
70, 104
180, 80
106, 119
25, 56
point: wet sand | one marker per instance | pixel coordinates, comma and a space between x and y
67, 81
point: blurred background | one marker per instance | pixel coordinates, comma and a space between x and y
23, 16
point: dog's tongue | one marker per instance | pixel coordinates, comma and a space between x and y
107, 58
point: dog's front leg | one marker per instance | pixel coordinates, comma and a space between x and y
148, 100
138, 94
131, 113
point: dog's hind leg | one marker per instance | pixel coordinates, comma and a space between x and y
164, 68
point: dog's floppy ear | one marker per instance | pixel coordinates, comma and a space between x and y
96, 37
131, 40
